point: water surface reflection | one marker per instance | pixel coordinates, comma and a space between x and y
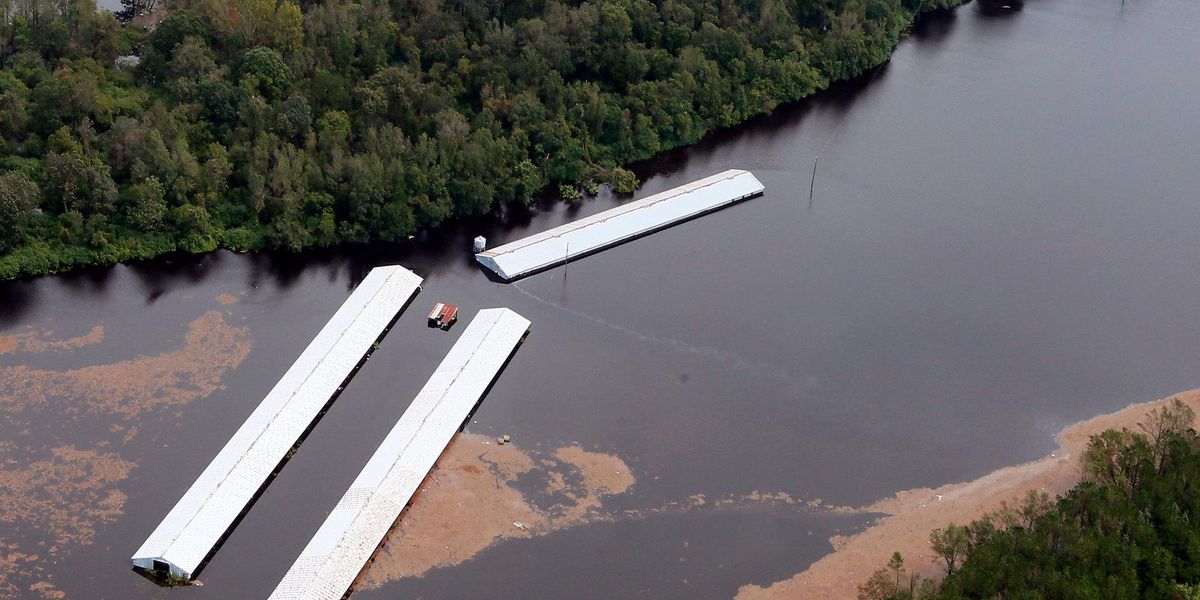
1001, 241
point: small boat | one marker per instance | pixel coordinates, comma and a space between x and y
443, 315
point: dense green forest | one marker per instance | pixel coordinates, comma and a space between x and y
262, 123
1130, 530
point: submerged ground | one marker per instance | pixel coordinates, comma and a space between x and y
1001, 243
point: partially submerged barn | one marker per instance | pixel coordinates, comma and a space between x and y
354, 529
192, 530
584, 236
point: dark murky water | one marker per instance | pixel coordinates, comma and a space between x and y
694, 556
1003, 240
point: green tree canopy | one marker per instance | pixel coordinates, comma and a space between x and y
273, 123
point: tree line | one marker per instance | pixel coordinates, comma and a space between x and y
252, 124
1127, 531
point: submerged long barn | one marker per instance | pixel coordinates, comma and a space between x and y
351, 533
616, 225
203, 516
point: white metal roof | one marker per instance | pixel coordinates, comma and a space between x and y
349, 536
618, 224
206, 511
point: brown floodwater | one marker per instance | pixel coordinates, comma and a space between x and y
1003, 240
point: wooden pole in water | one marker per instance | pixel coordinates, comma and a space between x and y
812, 182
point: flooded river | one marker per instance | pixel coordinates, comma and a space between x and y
1002, 240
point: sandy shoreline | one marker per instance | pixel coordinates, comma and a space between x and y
470, 503
912, 514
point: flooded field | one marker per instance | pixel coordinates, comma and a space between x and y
1002, 241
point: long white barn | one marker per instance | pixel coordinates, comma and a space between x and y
613, 226
352, 532
204, 514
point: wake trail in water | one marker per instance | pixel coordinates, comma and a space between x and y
728, 359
